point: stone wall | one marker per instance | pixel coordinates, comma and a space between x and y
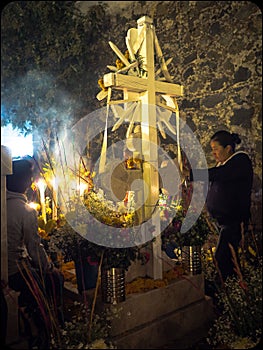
217, 56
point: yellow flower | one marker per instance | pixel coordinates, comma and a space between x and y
98, 344
42, 233
119, 63
101, 84
48, 211
34, 186
126, 54
251, 251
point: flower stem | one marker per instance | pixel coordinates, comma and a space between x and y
95, 298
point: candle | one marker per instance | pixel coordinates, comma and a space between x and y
54, 199
81, 187
34, 205
42, 186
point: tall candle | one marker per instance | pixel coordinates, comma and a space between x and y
54, 199
42, 186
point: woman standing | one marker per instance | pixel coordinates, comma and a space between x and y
229, 195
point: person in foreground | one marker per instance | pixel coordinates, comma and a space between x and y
229, 195
30, 271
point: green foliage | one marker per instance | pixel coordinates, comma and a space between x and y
98, 227
47, 52
175, 213
238, 301
241, 305
50, 225
74, 247
66, 240
75, 333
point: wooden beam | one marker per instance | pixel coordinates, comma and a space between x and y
121, 81
169, 89
136, 84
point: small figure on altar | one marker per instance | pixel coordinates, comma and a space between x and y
130, 161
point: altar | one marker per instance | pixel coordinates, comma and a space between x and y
155, 317
148, 104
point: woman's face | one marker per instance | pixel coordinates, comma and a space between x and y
220, 153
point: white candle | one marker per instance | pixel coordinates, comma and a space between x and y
81, 187
54, 199
42, 186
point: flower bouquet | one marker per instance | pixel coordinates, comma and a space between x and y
77, 233
176, 243
74, 247
176, 213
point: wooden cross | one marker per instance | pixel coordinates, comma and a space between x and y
145, 88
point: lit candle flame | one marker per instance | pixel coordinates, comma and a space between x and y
81, 187
34, 205
42, 186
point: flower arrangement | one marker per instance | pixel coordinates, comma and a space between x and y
241, 313
106, 212
238, 300
74, 246
173, 213
77, 333
86, 232
239, 323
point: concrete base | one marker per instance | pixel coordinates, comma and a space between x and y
178, 327
177, 313
152, 319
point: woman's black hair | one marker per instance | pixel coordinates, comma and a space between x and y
21, 178
225, 138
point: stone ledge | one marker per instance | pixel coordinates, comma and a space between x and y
180, 327
169, 314
142, 308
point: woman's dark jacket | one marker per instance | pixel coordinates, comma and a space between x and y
229, 193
